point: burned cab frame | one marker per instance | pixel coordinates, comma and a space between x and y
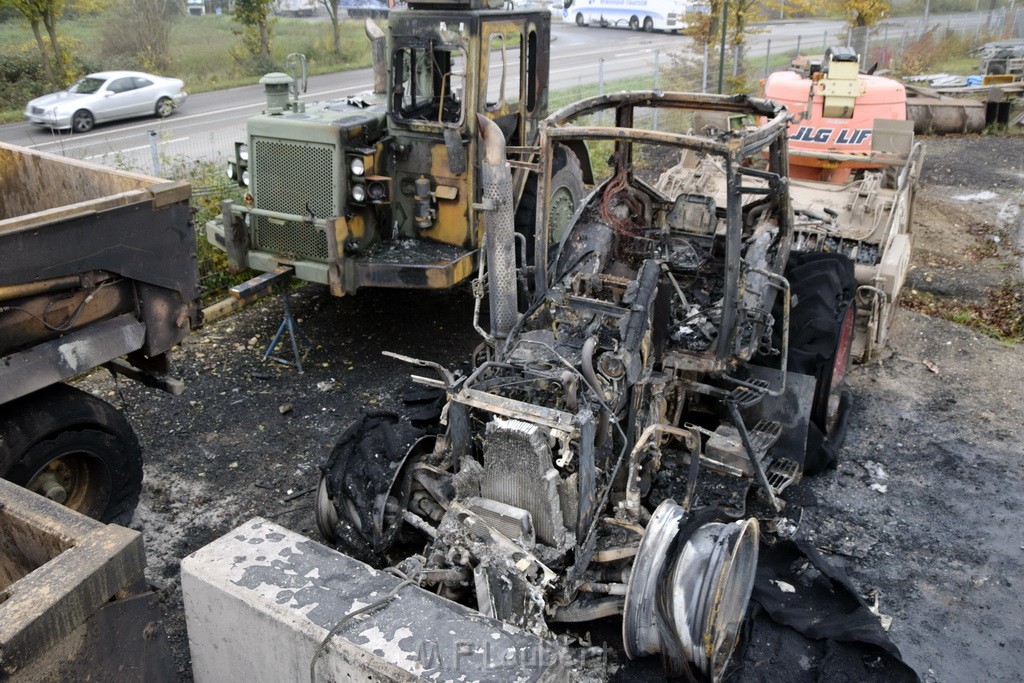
659, 338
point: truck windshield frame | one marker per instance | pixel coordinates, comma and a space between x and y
429, 85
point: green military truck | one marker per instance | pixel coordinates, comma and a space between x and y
383, 189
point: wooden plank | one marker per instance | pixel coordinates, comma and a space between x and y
279, 275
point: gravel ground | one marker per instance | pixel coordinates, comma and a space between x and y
922, 508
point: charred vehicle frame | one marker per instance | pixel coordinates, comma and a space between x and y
673, 323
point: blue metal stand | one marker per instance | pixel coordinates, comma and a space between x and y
294, 333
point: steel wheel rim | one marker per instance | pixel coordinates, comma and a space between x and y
325, 512
640, 635
562, 208
78, 480
840, 364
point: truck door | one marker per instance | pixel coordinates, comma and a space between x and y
428, 105
502, 89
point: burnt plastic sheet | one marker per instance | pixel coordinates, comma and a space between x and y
821, 630
823, 451
423, 407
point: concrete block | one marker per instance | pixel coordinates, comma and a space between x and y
73, 600
260, 600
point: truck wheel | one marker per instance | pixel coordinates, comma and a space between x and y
75, 449
164, 107
566, 193
82, 121
634, 23
648, 24
821, 335
579, 20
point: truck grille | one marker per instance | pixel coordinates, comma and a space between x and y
297, 178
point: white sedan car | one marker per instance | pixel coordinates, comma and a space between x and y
107, 96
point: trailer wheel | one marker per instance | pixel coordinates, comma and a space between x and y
75, 449
821, 335
648, 24
634, 23
566, 192
579, 20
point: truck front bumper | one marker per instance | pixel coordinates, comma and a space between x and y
398, 264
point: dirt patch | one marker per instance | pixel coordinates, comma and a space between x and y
968, 263
922, 508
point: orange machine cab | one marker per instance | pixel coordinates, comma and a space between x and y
843, 109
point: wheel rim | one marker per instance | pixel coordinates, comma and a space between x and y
563, 205
82, 122
325, 512
839, 366
693, 591
78, 480
164, 107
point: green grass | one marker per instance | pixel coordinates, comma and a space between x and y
203, 49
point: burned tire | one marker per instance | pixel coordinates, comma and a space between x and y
566, 193
821, 335
364, 487
74, 448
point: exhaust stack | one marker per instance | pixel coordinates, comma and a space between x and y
379, 53
499, 238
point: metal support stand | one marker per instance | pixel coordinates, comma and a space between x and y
294, 333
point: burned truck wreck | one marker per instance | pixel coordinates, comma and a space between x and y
673, 323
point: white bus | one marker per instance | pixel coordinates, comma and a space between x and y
649, 15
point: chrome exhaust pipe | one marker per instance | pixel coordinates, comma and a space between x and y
379, 54
500, 226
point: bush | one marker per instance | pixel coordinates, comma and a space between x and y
932, 52
21, 78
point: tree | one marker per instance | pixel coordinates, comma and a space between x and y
332, 12
254, 16
865, 12
861, 15
43, 14
738, 15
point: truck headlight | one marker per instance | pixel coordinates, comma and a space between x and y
231, 170
358, 193
357, 166
245, 178
243, 152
